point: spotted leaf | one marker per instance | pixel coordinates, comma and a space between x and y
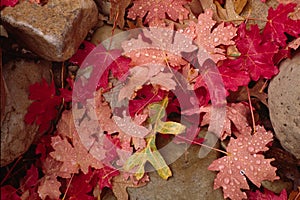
244, 159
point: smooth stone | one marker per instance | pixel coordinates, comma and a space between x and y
191, 180
16, 136
284, 105
53, 31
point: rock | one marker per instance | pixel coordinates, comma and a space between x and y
16, 136
53, 31
284, 105
191, 180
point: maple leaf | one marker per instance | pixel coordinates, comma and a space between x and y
279, 23
158, 9
44, 109
140, 75
267, 195
244, 160
74, 157
236, 114
8, 192
80, 186
30, 183
83, 51
209, 38
256, 56
148, 94
93, 73
49, 186
105, 176
10, 3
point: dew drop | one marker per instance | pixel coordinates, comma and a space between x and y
251, 168
216, 39
155, 9
234, 149
236, 181
226, 180
146, 54
240, 144
221, 167
154, 56
254, 155
257, 162
251, 149
239, 167
138, 54
129, 44
229, 171
140, 7
235, 158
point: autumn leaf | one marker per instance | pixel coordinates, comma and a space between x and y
157, 111
236, 115
10, 3
279, 24
82, 52
49, 186
256, 56
145, 96
74, 157
80, 187
44, 109
117, 11
8, 192
137, 161
244, 159
267, 195
141, 75
154, 9
105, 175
209, 37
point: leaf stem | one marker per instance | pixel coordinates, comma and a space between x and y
198, 143
251, 109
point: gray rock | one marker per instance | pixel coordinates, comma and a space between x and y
53, 31
191, 180
284, 105
16, 136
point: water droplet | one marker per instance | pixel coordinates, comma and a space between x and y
257, 162
239, 167
236, 181
234, 149
240, 144
129, 44
221, 167
251, 168
138, 54
155, 9
146, 54
235, 158
154, 56
251, 149
140, 7
254, 155
246, 157
229, 171
226, 180
216, 39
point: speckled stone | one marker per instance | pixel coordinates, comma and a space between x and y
284, 105
53, 31
16, 136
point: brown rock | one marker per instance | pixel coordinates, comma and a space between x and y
55, 30
284, 105
16, 136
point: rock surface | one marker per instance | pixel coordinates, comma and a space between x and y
284, 105
53, 31
191, 180
16, 136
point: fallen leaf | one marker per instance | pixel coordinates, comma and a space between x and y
49, 187
267, 195
117, 11
244, 160
158, 9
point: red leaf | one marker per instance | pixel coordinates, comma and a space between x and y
80, 187
105, 176
256, 56
83, 51
144, 97
45, 107
267, 195
158, 9
279, 23
11, 3
244, 160
31, 178
8, 192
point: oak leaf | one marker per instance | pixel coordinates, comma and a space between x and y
244, 159
158, 9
